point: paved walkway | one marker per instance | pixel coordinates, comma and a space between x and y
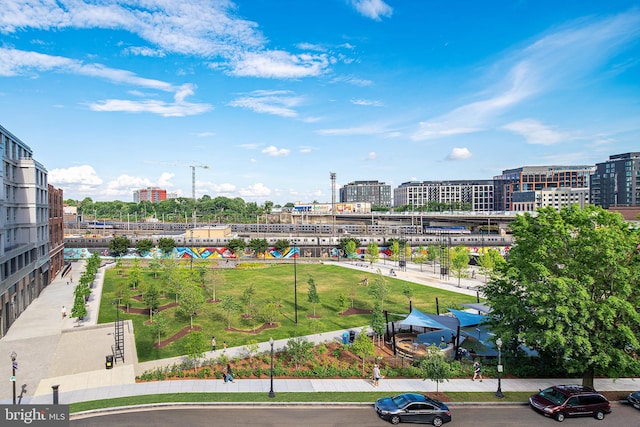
58, 351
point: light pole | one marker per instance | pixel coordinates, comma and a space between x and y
295, 286
499, 344
14, 366
271, 393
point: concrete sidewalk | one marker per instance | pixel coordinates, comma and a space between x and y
60, 351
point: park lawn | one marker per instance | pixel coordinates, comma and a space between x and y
274, 282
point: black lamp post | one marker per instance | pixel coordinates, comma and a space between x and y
295, 286
499, 344
271, 393
14, 366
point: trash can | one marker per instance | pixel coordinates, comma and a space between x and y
345, 338
352, 336
109, 361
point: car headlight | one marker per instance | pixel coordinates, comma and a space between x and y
548, 409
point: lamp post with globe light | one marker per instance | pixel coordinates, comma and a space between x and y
14, 366
271, 393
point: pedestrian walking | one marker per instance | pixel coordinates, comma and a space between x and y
64, 312
213, 343
477, 371
228, 375
224, 346
376, 375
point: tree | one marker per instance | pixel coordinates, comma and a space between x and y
191, 301
570, 290
420, 256
270, 313
217, 278
434, 367
247, 298
342, 302
229, 306
166, 245
159, 326
237, 246
144, 246
152, 299
432, 255
379, 289
195, 346
155, 266
342, 244
372, 253
281, 245
407, 291
299, 350
350, 249
394, 248
79, 309
135, 273
488, 262
363, 347
259, 246
460, 262
378, 323
119, 245
312, 295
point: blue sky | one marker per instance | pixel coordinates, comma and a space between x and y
273, 95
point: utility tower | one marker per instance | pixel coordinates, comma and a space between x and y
193, 179
332, 175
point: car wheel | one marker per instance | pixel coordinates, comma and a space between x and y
395, 419
437, 421
599, 415
560, 417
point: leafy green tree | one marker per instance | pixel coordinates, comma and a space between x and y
155, 266
159, 326
350, 249
259, 246
281, 245
372, 253
460, 262
342, 244
299, 350
488, 262
135, 273
312, 294
237, 246
394, 248
119, 245
79, 309
432, 255
570, 289
152, 299
342, 302
228, 306
379, 289
166, 245
247, 298
407, 291
144, 246
195, 346
270, 313
217, 279
363, 347
378, 323
190, 301
434, 367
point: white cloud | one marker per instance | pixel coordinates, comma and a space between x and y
550, 61
165, 180
165, 109
279, 64
84, 174
353, 81
371, 156
536, 133
276, 102
367, 102
256, 190
145, 51
274, 151
361, 130
459, 154
374, 9
305, 150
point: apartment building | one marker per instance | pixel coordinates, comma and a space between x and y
558, 198
477, 193
56, 231
616, 182
375, 192
150, 194
537, 178
24, 229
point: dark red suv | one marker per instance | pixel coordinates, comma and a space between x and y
560, 401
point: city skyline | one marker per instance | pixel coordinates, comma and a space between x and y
115, 96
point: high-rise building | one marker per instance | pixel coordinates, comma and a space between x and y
536, 178
56, 231
374, 192
24, 229
616, 182
478, 194
150, 194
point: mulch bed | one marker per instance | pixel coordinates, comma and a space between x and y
184, 331
352, 310
253, 331
135, 310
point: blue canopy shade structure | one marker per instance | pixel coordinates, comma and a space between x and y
418, 318
466, 318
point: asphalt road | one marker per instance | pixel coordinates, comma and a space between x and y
472, 416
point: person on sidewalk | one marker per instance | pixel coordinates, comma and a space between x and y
64, 312
213, 343
224, 346
477, 371
376, 375
228, 374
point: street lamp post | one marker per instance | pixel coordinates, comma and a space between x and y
295, 286
271, 393
499, 344
14, 366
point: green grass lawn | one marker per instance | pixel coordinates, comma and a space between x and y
274, 282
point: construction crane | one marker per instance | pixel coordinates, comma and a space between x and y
193, 179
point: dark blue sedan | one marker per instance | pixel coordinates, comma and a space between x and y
413, 408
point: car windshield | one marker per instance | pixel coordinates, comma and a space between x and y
400, 401
553, 395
